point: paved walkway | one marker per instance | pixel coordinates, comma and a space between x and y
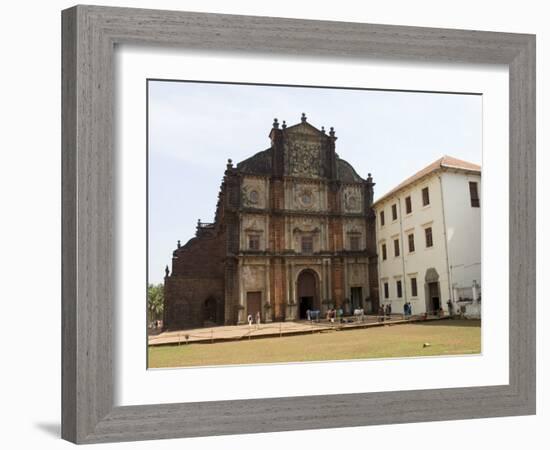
274, 329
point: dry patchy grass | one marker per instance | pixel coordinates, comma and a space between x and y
448, 337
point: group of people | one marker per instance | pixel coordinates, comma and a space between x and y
384, 311
251, 320
333, 314
313, 314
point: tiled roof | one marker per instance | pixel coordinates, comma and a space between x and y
446, 162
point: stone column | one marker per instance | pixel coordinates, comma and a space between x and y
366, 292
326, 276
241, 311
330, 296
291, 306
345, 306
268, 312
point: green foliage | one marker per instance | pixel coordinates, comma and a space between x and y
155, 301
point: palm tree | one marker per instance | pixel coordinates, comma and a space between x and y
155, 301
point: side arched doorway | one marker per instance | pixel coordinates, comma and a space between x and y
307, 292
209, 312
433, 291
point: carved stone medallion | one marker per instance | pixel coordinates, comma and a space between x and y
306, 197
253, 194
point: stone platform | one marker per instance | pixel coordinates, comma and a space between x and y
275, 329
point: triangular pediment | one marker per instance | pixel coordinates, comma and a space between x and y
305, 129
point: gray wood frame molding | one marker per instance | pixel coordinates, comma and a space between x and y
89, 35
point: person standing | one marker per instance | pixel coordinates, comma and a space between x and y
450, 306
249, 318
258, 319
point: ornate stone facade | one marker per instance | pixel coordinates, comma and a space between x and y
294, 230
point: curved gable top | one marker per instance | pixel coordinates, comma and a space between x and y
292, 146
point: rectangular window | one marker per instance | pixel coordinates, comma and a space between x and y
307, 244
414, 288
254, 242
386, 290
394, 212
354, 242
399, 289
382, 219
384, 252
411, 242
425, 196
474, 196
408, 205
396, 247
429, 239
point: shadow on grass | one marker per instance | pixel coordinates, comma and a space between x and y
466, 323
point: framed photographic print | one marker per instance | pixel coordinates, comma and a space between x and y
306, 210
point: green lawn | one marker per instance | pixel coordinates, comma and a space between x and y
446, 337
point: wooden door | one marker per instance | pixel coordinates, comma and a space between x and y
253, 303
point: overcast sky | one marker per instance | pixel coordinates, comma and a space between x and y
195, 127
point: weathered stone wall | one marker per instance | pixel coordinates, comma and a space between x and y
299, 187
198, 275
186, 301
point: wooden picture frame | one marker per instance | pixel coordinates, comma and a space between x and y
89, 36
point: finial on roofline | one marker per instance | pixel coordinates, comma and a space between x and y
284, 124
275, 123
304, 118
331, 132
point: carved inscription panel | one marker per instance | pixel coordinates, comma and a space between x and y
253, 277
357, 274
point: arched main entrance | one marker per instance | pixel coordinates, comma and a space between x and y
308, 292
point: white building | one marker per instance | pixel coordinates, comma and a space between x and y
428, 232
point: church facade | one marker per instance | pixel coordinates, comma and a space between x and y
294, 230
